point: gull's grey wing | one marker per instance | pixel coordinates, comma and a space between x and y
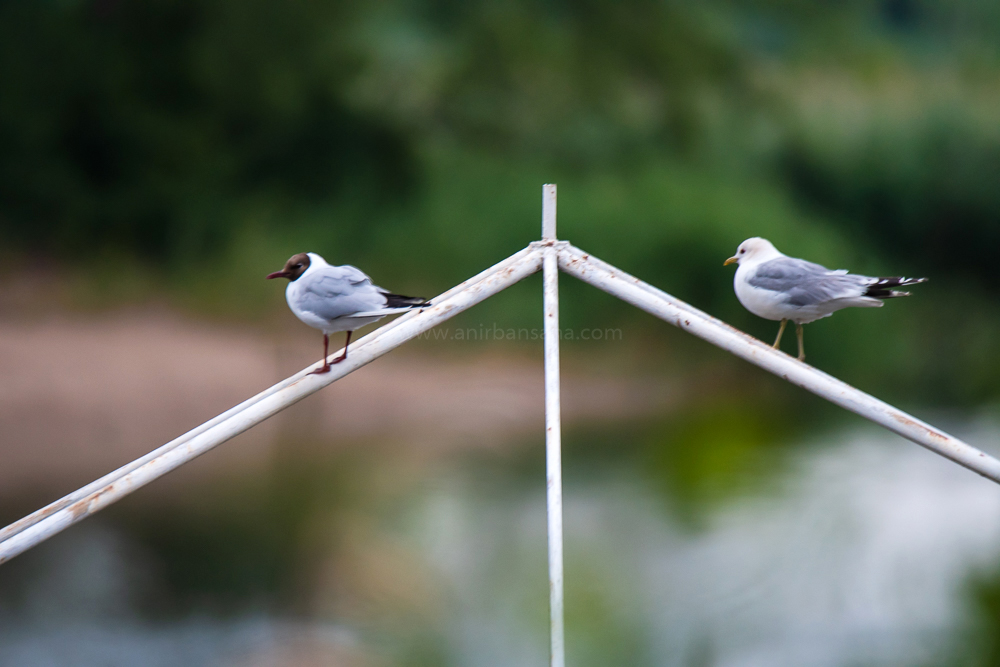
339, 291
805, 283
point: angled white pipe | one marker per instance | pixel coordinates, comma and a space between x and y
656, 302
104, 481
272, 401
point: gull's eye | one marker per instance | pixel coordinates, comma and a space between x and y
742, 250
297, 266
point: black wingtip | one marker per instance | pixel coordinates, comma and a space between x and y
882, 288
400, 301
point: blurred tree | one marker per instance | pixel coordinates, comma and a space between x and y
141, 126
925, 192
589, 81
148, 127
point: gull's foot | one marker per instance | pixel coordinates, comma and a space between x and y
320, 371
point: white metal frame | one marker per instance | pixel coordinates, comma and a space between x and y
550, 256
553, 424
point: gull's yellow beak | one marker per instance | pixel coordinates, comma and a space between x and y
730, 261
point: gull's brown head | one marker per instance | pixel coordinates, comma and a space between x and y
294, 267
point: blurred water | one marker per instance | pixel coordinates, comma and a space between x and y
864, 558
80, 604
861, 555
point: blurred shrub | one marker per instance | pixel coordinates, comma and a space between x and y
146, 126
155, 127
925, 191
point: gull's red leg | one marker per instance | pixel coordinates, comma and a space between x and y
344, 355
326, 351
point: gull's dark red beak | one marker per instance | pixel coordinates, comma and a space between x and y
277, 274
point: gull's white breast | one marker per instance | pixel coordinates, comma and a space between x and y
764, 303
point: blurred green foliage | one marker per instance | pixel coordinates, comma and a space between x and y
196, 144
705, 458
154, 127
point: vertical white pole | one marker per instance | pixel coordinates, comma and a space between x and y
553, 426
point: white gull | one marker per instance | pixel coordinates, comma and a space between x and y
776, 287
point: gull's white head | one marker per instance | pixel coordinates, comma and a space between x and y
754, 249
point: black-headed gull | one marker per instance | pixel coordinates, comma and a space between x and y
776, 287
337, 298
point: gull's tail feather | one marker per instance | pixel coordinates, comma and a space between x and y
400, 301
881, 288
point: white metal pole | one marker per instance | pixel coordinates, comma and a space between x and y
370, 347
553, 426
656, 302
104, 481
